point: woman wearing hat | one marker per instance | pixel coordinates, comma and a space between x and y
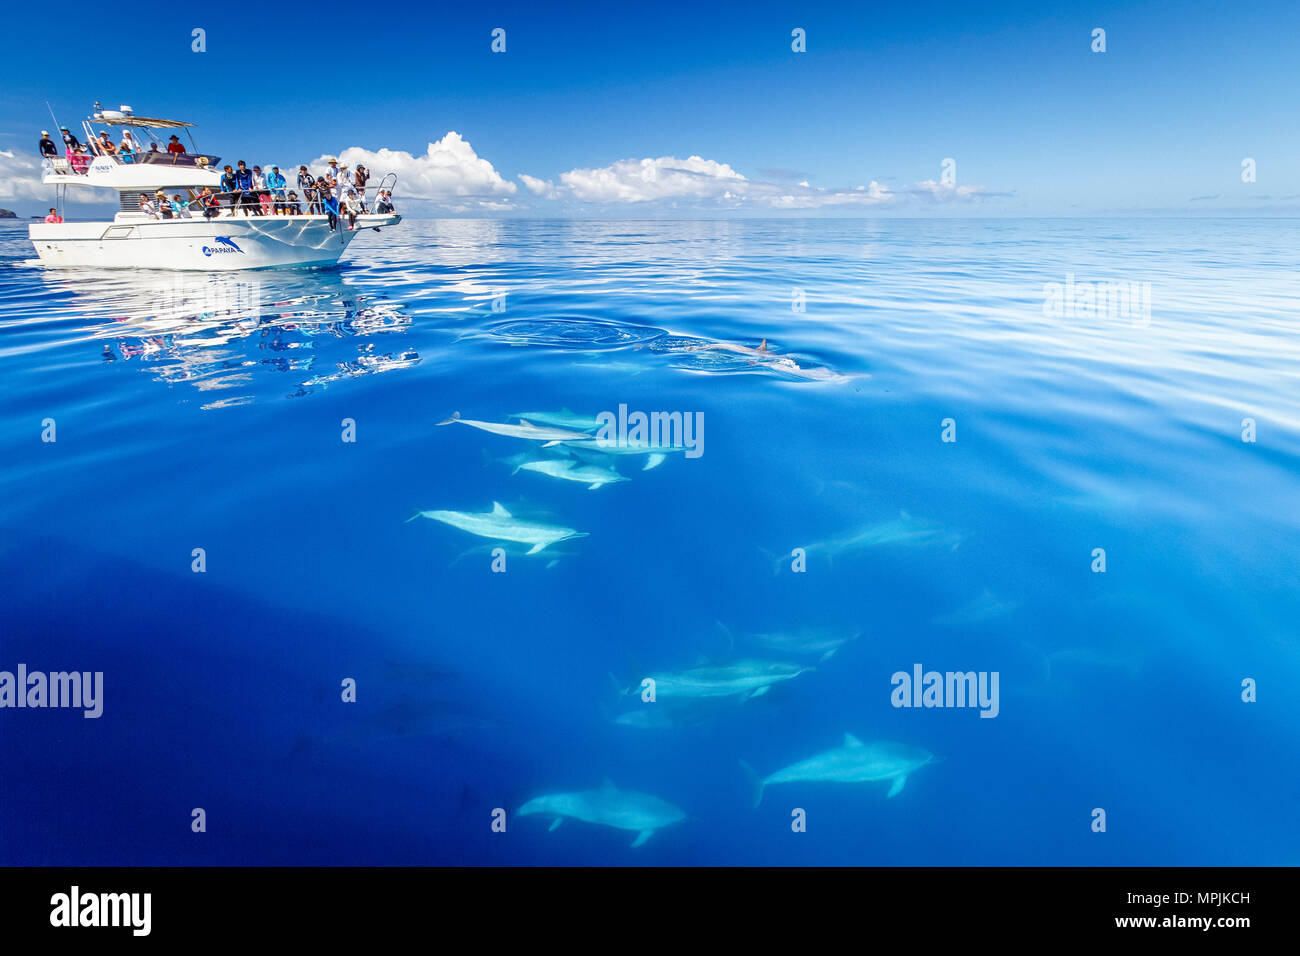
163, 205
48, 149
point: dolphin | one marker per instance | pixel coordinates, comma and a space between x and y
821, 643
501, 525
984, 608
901, 530
855, 762
610, 807
523, 430
589, 448
566, 469
747, 678
561, 419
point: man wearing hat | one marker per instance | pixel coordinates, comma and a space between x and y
342, 182
48, 149
70, 142
163, 205
175, 147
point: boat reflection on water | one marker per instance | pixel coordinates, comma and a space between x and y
218, 331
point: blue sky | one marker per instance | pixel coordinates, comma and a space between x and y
1037, 123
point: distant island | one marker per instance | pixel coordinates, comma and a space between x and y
8, 214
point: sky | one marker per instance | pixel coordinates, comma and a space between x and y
688, 110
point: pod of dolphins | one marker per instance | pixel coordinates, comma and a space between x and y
695, 694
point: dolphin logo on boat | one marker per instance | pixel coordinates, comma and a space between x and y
610, 807
227, 245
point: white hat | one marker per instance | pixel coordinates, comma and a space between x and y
45, 132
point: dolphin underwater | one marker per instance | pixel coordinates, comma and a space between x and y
821, 643
590, 448
566, 469
609, 807
901, 530
501, 525
749, 678
855, 762
523, 430
561, 419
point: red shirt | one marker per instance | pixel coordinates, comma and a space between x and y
176, 147
53, 218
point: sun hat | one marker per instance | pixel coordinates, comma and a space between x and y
45, 132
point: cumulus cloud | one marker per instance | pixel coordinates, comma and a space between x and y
668, 178
449, 170
20, 177
946, 192
644, 180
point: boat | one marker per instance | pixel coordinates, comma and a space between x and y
229, 236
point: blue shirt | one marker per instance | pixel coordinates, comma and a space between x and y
243, 179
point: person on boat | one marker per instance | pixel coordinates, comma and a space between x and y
307, 183
291, 206
359, 179
147, 206
262, 197
350, 207
48, 149
128, 141
331, 209
342, 182
245, 198
125, 153
276, 183
208, 202
70, 142
105, 145
384, 202
229, 184
323, 187
54, 216
152, 155
180, 207
80, 160
175, 147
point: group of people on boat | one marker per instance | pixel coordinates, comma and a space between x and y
129, 150
338, 194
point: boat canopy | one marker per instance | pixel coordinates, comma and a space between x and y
109, 119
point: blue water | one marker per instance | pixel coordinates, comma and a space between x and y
207, 412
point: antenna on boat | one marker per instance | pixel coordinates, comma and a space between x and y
52, 116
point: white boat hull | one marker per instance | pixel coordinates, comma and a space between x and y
225, 244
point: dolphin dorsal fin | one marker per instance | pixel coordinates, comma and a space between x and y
851, 741
498, 509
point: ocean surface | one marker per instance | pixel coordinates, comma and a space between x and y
212, 412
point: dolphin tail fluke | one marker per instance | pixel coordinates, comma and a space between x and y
756, 783
642, 837
897, 786
455, 417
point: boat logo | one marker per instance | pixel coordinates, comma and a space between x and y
227, 245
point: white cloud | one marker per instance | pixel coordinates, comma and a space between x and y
644, 180
20, 177
946, 192
449, 170
541, 187
694, 178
